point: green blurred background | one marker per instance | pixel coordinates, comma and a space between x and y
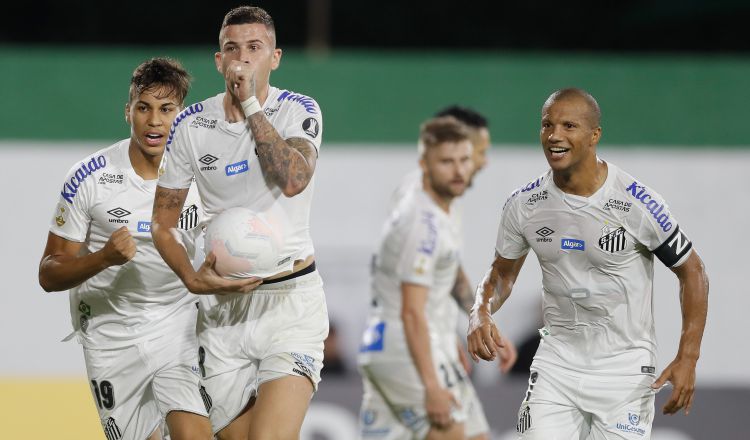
71, 92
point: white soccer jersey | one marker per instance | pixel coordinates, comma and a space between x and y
596, 256
142, 298
420, 244
221, 156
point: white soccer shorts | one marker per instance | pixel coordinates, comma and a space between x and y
393, 400
276, 331
559, 404
136, 387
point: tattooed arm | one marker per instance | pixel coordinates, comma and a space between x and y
289, 163
167, 207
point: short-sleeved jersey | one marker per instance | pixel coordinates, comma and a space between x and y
221, 157
142, 298
420, 244
596, 256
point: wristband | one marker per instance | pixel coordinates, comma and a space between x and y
250, 106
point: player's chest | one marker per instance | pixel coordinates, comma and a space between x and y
594, 235
227, 163
121, 205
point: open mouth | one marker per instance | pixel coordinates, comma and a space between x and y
558, 152
154, 139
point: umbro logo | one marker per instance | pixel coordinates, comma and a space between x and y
543, 233
207, 160
118, 213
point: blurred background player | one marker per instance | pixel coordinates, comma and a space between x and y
462, 292
414, 385
253, 146
132, 314
595, 230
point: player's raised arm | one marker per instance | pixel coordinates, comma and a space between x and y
167, 208
62, 268
694, 304
288, 163
483, 336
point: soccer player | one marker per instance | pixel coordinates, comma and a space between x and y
253, 146
414, 386
132, 314
595, 231
476, 425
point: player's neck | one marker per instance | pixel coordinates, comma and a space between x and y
144, 165
584, 180
443, 201
233, 108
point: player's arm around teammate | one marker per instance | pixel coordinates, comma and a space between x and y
694, 303
484, 338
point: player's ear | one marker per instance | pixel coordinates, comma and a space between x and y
217, 61
276, 60
127, 112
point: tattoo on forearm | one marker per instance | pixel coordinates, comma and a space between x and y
462, 292
288, 164
167, 198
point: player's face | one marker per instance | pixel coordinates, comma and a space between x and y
250, 43
481, 141
567, 134
150, 116
448, 167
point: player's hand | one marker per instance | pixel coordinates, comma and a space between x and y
240, 76
508, 355
483, 336
681, 373
120, 248
439, 403
208, 281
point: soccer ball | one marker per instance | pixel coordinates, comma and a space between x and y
246, 244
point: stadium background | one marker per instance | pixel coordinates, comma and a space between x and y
672, 78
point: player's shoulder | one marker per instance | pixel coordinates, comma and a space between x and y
283, 100
200, 114
530, 193
642, 199
91, 169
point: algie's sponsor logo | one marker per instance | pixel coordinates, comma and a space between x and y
144, 226
572, 244
70, 188
236, 168
655, 208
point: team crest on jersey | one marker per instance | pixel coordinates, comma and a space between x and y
111, 430
612, 239
188, 218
